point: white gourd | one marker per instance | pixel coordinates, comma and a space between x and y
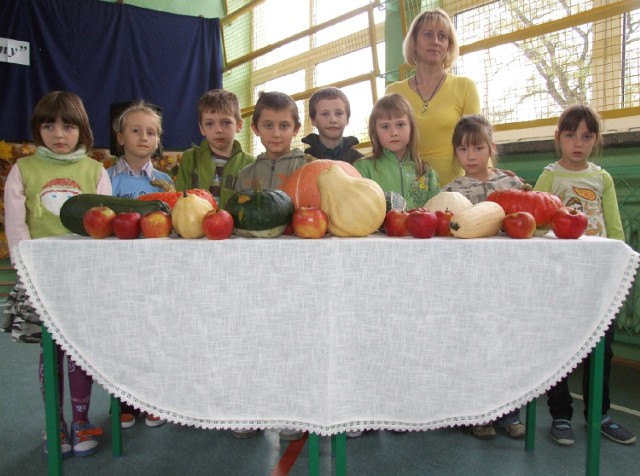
453, 202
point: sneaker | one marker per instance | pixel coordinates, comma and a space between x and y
84, 438
516, 430
615, 432
65, 443
152, 420
354, 434
127, 420
291, 435
483, 432
243, 434
561, 432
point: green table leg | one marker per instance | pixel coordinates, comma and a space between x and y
116, 430
595, 409
51, 403
530, 435
314, 454
339, 446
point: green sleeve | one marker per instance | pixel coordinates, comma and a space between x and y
434, 184
362, 167
611, 211
544, 183
185, 169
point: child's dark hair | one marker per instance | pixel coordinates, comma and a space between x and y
328, 93
570, 120
276, 101
69, 108
395, 106
219, 101
473, 129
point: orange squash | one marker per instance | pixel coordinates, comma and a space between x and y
170, 198
302, 184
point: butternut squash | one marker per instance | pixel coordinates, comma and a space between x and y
356, 206
478, 221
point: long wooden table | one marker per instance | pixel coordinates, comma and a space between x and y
328, 335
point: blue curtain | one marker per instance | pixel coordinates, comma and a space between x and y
108, 53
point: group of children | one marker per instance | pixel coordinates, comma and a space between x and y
62, 135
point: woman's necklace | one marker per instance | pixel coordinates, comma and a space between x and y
425, 102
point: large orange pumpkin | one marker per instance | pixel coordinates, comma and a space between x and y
302, 187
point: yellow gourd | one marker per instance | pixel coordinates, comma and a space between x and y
355, 205
187, 214
478, 221
453, 202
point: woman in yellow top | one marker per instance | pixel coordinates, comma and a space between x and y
438, 97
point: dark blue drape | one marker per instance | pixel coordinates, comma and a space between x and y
108, 53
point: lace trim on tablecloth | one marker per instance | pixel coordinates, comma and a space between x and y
325, 430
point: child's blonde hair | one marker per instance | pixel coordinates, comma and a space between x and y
395, 106
139, 106
570, 120
69, 108
219, 101
474, 129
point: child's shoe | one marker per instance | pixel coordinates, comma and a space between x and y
152, 420
243, 434
65, 443
84, 438
291, 435
354, 434
127, 420
615, 432
516, 430
561, 432
483, 432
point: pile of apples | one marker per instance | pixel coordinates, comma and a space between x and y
566, 223
102, 222
419, 223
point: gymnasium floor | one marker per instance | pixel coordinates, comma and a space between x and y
175, 450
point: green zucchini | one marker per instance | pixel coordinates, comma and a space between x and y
73, 209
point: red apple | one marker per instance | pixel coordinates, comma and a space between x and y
422, 223
126, 225
288, 230
98, 222
444, 220
156, 224
395, 223
568, 222
309, 222
519, 225
217, 224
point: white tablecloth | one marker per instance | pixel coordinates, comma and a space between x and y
327, 335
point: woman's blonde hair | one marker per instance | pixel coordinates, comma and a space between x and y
395, 106
440, 18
